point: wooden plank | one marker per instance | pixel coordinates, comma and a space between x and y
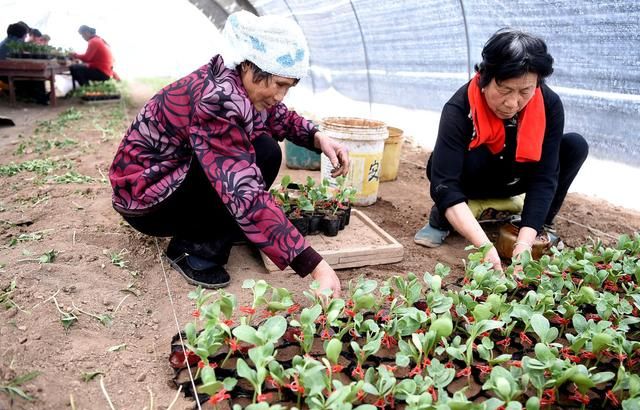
370, 245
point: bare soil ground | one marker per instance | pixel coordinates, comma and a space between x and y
103, 267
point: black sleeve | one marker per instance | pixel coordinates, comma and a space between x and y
543, 179
447, 160
306, 262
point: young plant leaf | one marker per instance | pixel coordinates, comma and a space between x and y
88, 376
117, 348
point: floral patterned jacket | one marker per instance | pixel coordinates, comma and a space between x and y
209, 114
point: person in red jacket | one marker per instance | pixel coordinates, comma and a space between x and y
98, 59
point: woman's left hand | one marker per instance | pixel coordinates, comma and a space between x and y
336, 152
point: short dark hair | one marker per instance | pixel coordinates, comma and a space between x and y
512, 53
18, 29
35, 32
87, 29
259, 75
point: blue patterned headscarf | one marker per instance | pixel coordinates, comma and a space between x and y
275, 44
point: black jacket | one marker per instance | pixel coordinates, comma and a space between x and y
458, 173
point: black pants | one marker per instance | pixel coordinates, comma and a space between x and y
195, 212
82, 74
573, 152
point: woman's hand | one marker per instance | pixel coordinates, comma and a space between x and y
465, 224
525, 240
336, 152
494, 258
327, 278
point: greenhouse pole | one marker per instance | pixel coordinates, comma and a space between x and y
366, 55
466, 33
313, 83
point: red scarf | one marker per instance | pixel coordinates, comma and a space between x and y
489, 128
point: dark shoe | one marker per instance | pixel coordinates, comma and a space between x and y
196, 270
216, 251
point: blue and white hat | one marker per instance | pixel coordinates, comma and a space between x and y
275, 44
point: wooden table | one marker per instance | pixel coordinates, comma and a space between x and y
28, 69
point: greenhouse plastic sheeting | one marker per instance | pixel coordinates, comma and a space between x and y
416, 53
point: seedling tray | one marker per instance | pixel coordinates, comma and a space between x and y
100, 98
361, 243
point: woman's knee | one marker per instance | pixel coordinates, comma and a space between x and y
268, 157
574, 146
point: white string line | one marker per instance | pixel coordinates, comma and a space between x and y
175, 317
587, 227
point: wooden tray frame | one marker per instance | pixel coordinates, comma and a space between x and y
356, 256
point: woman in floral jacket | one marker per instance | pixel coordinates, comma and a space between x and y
197, 162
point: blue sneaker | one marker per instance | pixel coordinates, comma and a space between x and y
430, 237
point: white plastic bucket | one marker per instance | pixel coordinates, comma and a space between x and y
365, 141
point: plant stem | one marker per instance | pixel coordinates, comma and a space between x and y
106, 395
58, 306
226, 358
86, 313
175, 399
118, 307
151, 406
46, 300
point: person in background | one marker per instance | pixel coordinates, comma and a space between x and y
26, 89
16, 32
98, 59
35, 36
198, 160
501, 135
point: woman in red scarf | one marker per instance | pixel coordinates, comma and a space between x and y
500, 135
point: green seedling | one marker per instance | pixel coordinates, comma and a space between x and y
34, 200
88, 376
71, 177
68, 318
504, 385
44, 144
58, 125
104, 318
12, 388
47, 257
28, 237
117, 258
6, 296
133, 289
39, 166
117, 348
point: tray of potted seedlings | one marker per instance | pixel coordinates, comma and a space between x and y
99, 91
559, 332
31, 51
315, 208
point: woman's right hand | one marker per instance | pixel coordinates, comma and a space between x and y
465, 224
327, 278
